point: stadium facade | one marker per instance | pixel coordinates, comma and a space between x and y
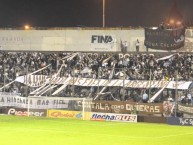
81, 39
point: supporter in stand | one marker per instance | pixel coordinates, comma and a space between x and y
122, 94
189, 96
94, 65
144, 97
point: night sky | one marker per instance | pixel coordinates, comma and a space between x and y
88, 13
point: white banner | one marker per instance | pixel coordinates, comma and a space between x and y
36, 81
34, 103
33, 80
157, 94
166, 57
185, 109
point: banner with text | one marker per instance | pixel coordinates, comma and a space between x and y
164, 39
34, 103
95, 116
185, 109
180, 121
24, 112
122, 107
103, 82
68, 114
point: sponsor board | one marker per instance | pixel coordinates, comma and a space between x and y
113, 117
103, 42
180, 121
186, 121
24, 112
67, 114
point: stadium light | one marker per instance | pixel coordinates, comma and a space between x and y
178, 23
27, 27
172, 21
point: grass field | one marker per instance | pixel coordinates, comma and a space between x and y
15, 130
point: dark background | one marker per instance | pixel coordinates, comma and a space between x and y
88, 13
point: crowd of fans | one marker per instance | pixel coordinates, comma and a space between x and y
98, 65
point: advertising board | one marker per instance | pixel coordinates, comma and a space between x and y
180, 121
95, 116
24, 112
68, 114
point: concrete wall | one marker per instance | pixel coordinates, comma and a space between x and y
108, 40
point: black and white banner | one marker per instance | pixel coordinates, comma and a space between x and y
34, 103
164, 39
185, 109
104, 82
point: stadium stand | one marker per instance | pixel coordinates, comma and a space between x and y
144, 66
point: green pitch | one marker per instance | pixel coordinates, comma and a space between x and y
16, 130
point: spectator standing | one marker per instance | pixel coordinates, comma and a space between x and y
124, 46
144, 97
189, 96
122, 94
137, 44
